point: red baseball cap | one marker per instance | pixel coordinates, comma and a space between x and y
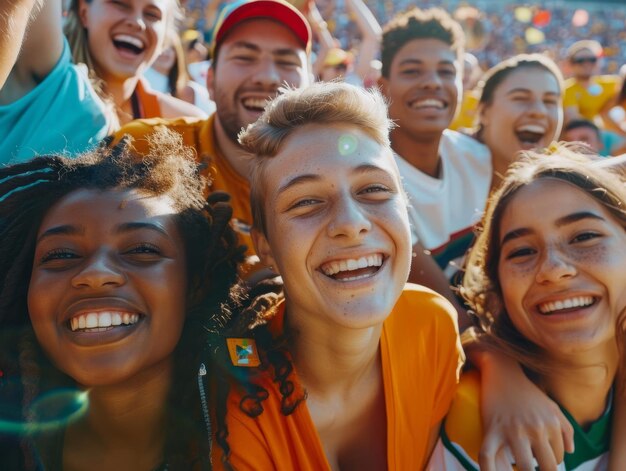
284, 13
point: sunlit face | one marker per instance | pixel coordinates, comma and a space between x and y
338, 232
525, 113
108, 289
423, 86
124, 36
254, 60
561, 267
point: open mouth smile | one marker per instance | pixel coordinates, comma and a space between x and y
128, 44
530, 134
102, 321
352, 269
564, 306
428, 103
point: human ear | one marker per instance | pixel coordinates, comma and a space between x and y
210, 81
83, 6
263, 250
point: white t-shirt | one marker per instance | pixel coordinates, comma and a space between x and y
443, 211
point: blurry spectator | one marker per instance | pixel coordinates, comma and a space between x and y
466, 115
583, 130
169, 74
520, 108
354, 67
588, 95
118, 41
446, 174
196, 56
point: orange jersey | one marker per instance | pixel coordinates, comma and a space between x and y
421, 357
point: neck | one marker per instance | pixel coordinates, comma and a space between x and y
583, 385
121, 92
232, 151
500, 166
133, 412
331, 358
420, 151
584, 81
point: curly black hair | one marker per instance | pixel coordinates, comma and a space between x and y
27, 192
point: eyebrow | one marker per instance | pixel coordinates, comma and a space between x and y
300, 179
527, 90
311, 177
136, 226
565, 220
61, 230
254, 48
419, 62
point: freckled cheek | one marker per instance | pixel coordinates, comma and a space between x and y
599, 256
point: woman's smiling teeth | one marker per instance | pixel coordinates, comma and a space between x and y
552, 307
530, 134
125, 41
95, 320
353, 268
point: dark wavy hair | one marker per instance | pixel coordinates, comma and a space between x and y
27, 192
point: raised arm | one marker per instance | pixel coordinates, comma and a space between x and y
38, 23
371, 33
322, 35
14, 16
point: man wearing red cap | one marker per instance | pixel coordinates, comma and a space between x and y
258, 46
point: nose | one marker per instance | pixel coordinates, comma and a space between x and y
554, 266
431, 80
538, 108
99, 271
267, 74
349, 220
135, 20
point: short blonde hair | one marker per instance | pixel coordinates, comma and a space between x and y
323, 103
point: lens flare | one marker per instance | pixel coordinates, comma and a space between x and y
347, 144
50, 411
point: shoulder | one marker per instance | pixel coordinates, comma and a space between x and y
454, 143
570, 84
172, 107
140, 129
608, 80
421, 307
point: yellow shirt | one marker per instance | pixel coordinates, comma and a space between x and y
590, 100
466, 117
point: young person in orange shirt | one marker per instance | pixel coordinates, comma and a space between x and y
378, 358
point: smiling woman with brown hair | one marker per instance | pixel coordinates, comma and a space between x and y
546, 280
520, 108
110, 269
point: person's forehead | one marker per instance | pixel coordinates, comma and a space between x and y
584, 52
431, 49
315, 148
130, 202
